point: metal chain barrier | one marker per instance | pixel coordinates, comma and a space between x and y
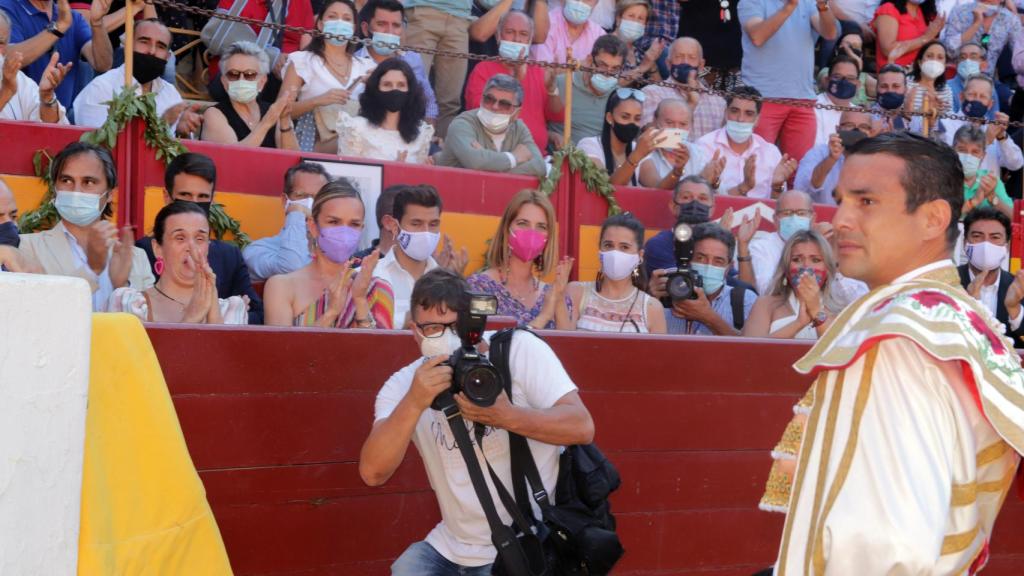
573, 65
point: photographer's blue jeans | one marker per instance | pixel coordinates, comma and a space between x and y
420, 559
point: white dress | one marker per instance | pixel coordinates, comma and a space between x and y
233, 309
317, 80
806, 333
357, 137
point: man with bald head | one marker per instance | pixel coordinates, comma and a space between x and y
818, 172
666, 166
686, 61
12, 259
794, 211
150, 51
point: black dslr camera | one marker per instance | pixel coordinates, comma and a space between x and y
682, 283
472, 373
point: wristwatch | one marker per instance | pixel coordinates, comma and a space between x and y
52, 29
819, 319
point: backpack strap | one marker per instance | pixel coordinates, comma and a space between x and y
736, 298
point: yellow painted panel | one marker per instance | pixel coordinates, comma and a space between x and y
588, 260
1014, 265
472, 231
260, 215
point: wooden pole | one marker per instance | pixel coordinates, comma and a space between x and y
567, 119
129, 41
926, 120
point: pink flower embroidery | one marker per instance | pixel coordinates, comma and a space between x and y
978, 324
930, 299
882, 304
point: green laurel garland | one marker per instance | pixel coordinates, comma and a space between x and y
594, 177
157, 135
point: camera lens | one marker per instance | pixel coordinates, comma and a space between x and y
481, 385
679, 287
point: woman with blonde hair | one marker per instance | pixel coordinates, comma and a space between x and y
328, 292
524, 249
798, 305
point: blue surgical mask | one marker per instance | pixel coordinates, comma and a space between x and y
712, 276
974, 109
381, 41
339, 28
79, 208
9, 234
513, 50
792, 224
739, 132
631, 30
967, 68
488, 4
603, 84
576, 12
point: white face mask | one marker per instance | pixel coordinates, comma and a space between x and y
307, 203
493, 122
986, 256
932, 69
618, 265
442, 345
79, 208
418, 245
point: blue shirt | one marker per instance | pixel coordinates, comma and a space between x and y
26, 22
956, 86
415, 62
810, 161
783, 67
722, 305
286, 252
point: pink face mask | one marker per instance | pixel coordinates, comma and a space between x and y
526, 244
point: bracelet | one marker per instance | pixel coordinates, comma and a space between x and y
367, 322
630, 161
51, 103
288, 129
746, 258
677, 173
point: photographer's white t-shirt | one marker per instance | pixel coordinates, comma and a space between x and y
463, 535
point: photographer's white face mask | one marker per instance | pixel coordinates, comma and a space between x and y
442, 345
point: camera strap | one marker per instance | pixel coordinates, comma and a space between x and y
512, 556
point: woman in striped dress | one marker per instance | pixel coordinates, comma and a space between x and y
331, 292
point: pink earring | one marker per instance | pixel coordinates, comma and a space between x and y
159, 267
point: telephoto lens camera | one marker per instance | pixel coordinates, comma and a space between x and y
684, 280
472, 373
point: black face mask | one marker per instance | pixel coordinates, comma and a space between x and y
9, 234
147, 67
694, 212
625, 132
394, 100
205, 206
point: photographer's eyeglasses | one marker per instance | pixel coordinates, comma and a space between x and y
624, 93
234, 75
434, 329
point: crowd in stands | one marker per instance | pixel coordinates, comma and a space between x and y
672, 97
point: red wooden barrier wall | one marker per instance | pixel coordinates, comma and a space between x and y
275, 418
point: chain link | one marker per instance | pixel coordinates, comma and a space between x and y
573, 65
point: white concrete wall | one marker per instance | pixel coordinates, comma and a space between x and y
45, 327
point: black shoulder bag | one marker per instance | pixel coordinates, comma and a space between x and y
582, 538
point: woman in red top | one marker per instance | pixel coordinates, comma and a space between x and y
903, 27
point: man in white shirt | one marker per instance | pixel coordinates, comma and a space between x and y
545, 407
988, 232
666, 166
149, 58
20, 97
818, 173
416, 227
975, 99
754, 167
289, 249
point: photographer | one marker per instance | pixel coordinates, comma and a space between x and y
711, 312
545, 407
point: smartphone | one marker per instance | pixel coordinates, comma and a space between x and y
850, 137
671, 138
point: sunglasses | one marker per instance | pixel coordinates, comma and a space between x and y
503, 106
233, 75
624, 93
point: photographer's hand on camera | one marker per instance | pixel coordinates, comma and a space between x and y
501, 414
431, 378
699, 310
658, 284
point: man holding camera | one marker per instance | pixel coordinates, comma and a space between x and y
545, 407
711, 312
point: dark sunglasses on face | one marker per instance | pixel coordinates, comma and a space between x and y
503, 106
233, 75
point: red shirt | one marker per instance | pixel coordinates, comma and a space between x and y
910, 27
534, 113
299, 13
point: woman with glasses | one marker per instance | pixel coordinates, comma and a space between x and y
616, 301
614, 149
246, 119
323, 76
390, 125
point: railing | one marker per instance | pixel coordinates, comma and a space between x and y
250, 182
